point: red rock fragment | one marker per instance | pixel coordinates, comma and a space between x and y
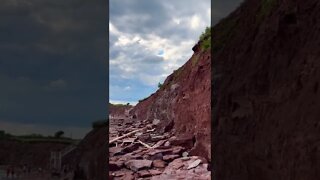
176, 164
159, 163
128, 176
154, 172
170, 157
136, 165
113, 151
144, 173
185, 140
115, 165
177, 149
121, 172
130, 148
155, 151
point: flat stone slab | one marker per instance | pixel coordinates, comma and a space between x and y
136, 165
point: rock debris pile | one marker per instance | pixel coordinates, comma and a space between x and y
137, 151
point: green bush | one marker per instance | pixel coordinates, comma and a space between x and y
5, 135
59, 134
160, 85
205, 39
205, 34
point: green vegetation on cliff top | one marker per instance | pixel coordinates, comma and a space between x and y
205, 39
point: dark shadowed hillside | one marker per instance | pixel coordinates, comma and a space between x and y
266, 91
34, 154
91, 154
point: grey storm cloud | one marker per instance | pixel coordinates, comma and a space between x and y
155, 16
125, 14
57, 44
150, 39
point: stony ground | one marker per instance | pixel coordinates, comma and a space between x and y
141, 153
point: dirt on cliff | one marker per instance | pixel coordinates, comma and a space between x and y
266, 91
182, 103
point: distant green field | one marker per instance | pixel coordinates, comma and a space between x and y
37, 138
53, 140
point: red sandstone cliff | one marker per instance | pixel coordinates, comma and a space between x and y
266, 91
118, 109
182, 104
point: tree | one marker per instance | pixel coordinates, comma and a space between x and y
2, 134
59, 134
159, 85
206, 33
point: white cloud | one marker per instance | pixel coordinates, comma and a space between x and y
195, 22
174, 55
176, 20
127, 88
146, 48
113, 30
123, 41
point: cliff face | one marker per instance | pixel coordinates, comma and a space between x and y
266, 91
182, 104
118, 110
91, 154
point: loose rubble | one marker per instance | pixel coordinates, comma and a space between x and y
137, 151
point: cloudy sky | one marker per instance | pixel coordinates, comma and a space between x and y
148, 40
53, 56
151, 38
53, 65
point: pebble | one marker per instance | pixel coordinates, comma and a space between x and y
185, 154
167, 144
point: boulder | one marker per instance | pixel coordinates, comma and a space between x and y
159, 163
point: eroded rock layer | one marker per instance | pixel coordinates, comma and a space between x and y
182, 104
